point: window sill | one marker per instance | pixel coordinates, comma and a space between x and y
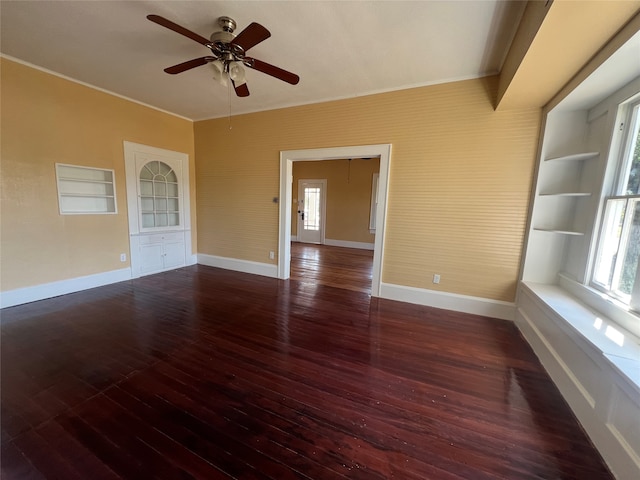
608, 306
596, 334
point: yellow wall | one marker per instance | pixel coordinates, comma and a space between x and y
459, 182
47, 119
348, 196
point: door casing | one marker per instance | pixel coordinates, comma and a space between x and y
287, 157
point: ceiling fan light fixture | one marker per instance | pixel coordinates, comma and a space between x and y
219, 75
236, 73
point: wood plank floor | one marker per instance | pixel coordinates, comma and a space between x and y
210, 374
338, 267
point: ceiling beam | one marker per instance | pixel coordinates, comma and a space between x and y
554, 40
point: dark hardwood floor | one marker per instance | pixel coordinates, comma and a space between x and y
338, 267
211, 374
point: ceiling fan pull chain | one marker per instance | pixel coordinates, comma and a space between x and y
229, 90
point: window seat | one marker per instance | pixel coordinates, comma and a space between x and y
617, 345
594, 362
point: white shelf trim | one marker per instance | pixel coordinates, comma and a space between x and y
565, 194
573, 157
555, 230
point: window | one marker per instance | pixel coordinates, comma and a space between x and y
617, 269
159, 202
312, 208
85, 190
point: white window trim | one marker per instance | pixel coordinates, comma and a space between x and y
620, 152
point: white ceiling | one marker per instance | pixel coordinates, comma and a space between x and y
340, 49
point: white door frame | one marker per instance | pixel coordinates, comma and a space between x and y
323, 208
131, 176
287, 157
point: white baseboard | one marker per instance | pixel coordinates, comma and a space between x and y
348, 244
449, 301
19, 296
245, 266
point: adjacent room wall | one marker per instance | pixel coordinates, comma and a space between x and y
459, 182
348, 196
47, 119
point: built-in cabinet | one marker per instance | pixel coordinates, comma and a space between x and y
161, 251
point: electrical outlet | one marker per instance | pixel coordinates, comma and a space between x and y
272, 255
123, 257
436, 278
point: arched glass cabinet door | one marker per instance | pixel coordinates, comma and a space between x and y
159, 196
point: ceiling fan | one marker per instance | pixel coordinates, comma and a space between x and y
228, 53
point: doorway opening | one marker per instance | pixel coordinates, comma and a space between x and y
382, 151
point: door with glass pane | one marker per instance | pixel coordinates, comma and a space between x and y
311, 210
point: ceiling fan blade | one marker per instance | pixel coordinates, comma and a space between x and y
272, 70
189, 64
251, 36
178, 29
241, 90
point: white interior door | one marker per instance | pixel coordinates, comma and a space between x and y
311, 210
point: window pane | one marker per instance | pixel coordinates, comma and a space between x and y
312, 208
172, 189
161, 219
171, 177
174, 219
172, 204
159, 189
147, 204
147, 220
631, 250
146, 173
146, 188
164, 168
613, 220
161, 204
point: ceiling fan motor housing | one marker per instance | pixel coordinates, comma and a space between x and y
221, 44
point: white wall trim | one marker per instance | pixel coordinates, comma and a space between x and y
238, 265
349, 244
19, 296
449, 301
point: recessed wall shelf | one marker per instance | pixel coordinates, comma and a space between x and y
562, 232
566, 194
573, 157
85, 190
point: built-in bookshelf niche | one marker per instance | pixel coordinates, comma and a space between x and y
85, 190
